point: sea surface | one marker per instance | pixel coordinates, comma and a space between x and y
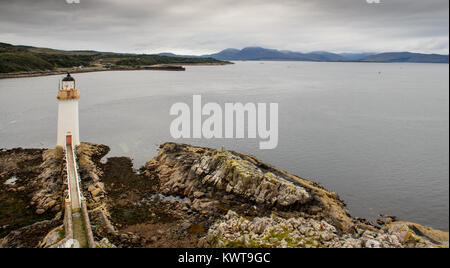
377, 134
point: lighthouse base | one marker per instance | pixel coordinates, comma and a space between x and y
68, 124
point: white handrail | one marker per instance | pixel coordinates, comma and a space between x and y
77, 177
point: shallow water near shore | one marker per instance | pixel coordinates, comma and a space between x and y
377, 134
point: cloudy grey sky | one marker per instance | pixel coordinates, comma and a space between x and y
207, 26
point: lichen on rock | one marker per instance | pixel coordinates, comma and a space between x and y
191, 196
186, 170
233, 174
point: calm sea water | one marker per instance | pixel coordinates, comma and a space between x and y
377, 134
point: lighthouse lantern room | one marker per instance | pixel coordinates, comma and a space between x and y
68, 125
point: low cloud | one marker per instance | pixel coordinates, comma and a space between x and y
205, 26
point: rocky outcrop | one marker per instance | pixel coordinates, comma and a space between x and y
268, 207
31, 190
53, 238
88, 158
191, 197
90, 168
29, 236
236, 231
49, 185
230, 178
413, 235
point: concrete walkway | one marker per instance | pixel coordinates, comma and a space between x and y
78, 224
74, 196
79, 232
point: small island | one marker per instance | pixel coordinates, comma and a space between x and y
186, 197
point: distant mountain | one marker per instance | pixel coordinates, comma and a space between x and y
407, 57
259, 53
356, 56
329, 55
230, 53
168, 54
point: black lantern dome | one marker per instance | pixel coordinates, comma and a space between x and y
68, 78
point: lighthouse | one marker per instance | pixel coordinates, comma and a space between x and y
68, 125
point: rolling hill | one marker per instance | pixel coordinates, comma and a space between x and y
407, 57
16, 59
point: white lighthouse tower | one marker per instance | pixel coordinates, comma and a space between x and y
68, 125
